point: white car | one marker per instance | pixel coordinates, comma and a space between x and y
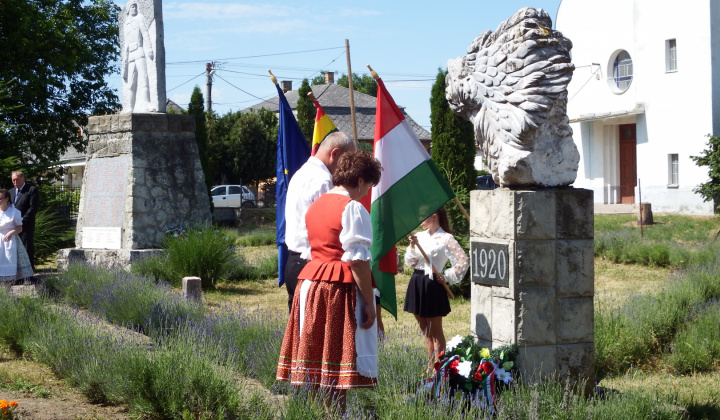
232, 196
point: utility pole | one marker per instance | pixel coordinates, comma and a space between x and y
209, 71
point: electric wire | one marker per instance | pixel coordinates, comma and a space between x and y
188, 81
255, 56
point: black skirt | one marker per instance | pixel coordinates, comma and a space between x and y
425, 297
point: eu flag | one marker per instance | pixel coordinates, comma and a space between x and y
292, 152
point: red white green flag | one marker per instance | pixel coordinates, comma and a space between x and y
323, 127
411, 188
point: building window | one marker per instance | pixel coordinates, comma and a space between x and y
673, 171
670, 55
622, 71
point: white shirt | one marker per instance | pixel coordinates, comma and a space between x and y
439, 247
312, 180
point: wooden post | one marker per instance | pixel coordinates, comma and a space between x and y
646, 215
352, 98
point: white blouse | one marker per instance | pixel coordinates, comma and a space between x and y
356, 233
439, 247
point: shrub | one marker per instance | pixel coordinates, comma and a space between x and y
257, 238
52, 233
203, 252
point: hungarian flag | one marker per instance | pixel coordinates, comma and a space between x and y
411, 188
292, 152
323, 127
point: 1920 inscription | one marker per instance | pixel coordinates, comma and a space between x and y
490, 264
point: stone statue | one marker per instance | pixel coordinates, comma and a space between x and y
143, 57
512, 85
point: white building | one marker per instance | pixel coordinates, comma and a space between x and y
644, 97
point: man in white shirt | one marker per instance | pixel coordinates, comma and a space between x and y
312, 180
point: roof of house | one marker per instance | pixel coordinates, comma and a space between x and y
335, 100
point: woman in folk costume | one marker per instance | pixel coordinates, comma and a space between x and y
426, 297
14, 261
331, 337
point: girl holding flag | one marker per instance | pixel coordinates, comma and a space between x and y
426, 297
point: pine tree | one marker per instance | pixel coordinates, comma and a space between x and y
453, 150
196, 107
305, 111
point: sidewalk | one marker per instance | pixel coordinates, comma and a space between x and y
615, 208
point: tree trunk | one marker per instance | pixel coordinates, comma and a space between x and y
646, 215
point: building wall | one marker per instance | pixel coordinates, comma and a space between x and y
678, 106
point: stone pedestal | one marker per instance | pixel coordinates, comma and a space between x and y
533, 278
142, 176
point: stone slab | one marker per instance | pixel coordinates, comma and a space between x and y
102, 257
536, 318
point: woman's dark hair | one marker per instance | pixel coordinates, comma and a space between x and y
443, 219
354, 165
6, 194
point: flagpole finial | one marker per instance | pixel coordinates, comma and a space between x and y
373, 73
272, 77
311, 96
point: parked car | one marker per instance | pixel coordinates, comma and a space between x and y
485, 182
232, 196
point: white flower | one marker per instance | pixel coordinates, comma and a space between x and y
503, 375
454, 342
464, 368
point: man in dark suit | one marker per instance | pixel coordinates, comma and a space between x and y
25, 198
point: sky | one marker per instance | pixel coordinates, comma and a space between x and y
404, 41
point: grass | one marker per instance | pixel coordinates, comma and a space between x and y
674, 241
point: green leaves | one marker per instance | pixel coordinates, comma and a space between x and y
59, 52
710, 157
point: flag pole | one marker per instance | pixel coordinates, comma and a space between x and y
272, 77
375, 76
352, 98
447, 289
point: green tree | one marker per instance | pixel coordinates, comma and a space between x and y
243, 146
710, 157
363, 84
305, 111
196, 107
453, 150
59, 52
318, 80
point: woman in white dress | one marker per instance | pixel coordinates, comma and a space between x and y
426, 297
14, 261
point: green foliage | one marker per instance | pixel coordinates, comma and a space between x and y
710, 157
673, 241
645, 326
696, 348
60, 53
203, 252
453, 139
243, 146
196, 107
262, 267
306, 111
257, 237
363, 84
52, 233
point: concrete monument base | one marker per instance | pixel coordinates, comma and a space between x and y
142, 177
102, 257
533, 279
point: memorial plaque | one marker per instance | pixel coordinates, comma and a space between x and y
490, 263
105, 192
101, 237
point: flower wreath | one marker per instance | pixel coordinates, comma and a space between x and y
476, 371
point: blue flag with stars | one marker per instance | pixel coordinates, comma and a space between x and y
292, 152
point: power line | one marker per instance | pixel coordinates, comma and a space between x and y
195, 77
256, 56
241, 90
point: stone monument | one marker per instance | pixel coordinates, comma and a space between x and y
142, 51
531, 239
143, 173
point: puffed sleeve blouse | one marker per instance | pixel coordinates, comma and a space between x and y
439, 247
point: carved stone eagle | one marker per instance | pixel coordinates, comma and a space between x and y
512, 85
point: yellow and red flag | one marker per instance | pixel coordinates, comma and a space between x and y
323, 127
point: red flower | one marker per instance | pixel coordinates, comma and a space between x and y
487, 367
452, 368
